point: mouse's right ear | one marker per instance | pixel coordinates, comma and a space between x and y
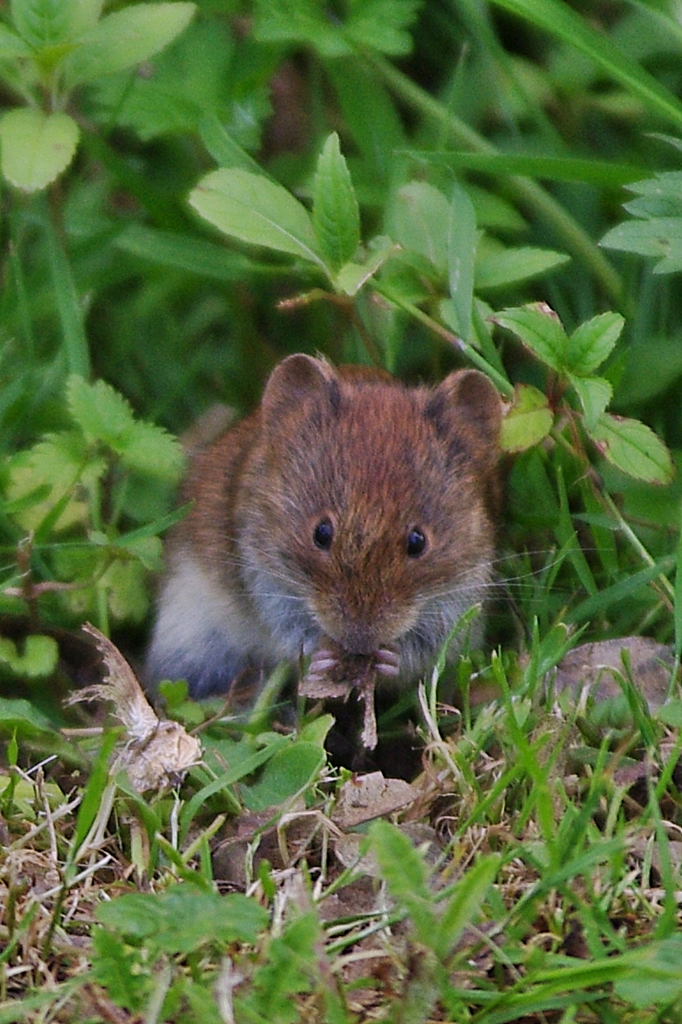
295, 379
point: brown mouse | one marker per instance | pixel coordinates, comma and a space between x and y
350, 517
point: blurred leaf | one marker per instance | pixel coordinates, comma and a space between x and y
126, 38
11, 45
37, 659
566, 24
540, 330
21, 715
36, 147
336, 216
405, 874
43, 23
528, 421
552, 168
461, 252
634, 448
258, 211
592, 342
654, 973
513, 265
185, 252
382, 25
418, 221
659, 236
150, 449
184, 918
465, 903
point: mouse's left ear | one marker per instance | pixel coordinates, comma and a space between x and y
468, 402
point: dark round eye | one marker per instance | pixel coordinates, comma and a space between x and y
323, 535
416, 543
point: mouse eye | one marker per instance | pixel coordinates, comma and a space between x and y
323, 535
416, 543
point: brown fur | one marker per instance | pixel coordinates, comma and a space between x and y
377, 460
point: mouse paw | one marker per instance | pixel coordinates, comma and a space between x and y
387, 662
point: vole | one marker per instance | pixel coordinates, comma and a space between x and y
349, 518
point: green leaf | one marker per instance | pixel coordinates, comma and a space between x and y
404, 872
100, 411
461, 252
528, 421
256, 210
21, 715
126, 38
11, 45
336, 216
184, 917
37, 659
382, 25
594, 393
288, 772
563, 22
43, 23
185, 252
592, 342
634, 448
511, 266
36, 147
539, 329
659, 236
419, 220
150, 449
654, 973
299, 21
465, 902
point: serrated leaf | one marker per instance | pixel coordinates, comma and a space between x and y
51, 469
528, 421
256, 210
634, 448
148, 448
36, 147
126, 38
461, 251
419, 220
336, 215
514, 265
100, 411
660, 236
539, 329
594, 393
301, 21
382, 25
592, 342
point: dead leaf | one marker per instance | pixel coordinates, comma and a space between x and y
158, 751
364, 797
595, 667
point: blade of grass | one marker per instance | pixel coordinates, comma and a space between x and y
564, 23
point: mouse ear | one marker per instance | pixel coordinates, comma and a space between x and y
467, 402
296, 378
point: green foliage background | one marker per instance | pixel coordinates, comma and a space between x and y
191, 192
